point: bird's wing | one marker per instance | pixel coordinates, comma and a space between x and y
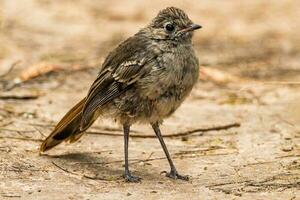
123, 67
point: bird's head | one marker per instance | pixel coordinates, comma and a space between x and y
172, 24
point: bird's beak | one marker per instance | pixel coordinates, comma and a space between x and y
191, 28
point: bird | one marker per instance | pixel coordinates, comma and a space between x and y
143, 80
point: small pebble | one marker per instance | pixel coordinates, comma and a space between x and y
287, 148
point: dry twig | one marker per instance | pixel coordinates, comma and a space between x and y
218, 76
41, 69
19, 97
180, 134
80, 175
20, 138
63, 169
13, 65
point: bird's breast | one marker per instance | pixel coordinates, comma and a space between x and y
171, 79
173, 72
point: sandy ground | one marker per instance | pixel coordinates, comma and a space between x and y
256, 41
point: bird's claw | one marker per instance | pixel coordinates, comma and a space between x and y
174, 175
132, 179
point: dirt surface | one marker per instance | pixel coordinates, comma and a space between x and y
256, 44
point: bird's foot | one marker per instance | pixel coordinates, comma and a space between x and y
174, 175
132, 179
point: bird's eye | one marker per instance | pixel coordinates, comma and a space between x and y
169, 27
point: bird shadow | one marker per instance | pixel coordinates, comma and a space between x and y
86, 165
92, 166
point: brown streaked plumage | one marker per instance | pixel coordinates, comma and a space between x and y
144, 80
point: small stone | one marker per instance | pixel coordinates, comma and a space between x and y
141, 163
287, 148
274, 130
184, 138
238, 194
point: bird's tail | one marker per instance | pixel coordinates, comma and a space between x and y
68, 129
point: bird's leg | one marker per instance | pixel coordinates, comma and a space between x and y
127, 175
173, 173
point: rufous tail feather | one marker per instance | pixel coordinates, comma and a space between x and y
68, 129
